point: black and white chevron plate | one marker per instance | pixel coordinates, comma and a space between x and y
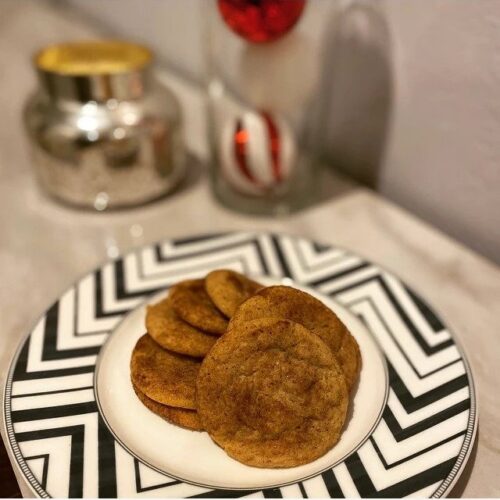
63, 447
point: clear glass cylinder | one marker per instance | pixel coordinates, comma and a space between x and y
263, 100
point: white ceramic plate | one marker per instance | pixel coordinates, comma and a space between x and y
76, 428
147, 436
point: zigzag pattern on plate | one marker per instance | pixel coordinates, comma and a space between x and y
65, 449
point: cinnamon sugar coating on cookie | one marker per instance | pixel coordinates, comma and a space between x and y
271, 394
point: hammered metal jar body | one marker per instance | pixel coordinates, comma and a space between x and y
106, 141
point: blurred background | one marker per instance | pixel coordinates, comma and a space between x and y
412, 93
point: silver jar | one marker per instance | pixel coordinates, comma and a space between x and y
104, 132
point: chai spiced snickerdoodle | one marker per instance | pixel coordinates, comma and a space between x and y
164, 376
289, 303
179, 416
191, 302
228, 289
172, 333
272, 394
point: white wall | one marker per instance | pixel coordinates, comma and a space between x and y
413, 93
443, 159
172, 27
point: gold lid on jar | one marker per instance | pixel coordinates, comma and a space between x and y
93, 58
94, 70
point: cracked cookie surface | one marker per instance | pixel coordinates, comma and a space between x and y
172, 333
271, 394
228, 289
295, 305
191, 302
164, 376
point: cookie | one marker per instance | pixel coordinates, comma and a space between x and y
272, 394
164, 376
172, 333
349, 358
191, 303
179, 416
228, 289
289, 303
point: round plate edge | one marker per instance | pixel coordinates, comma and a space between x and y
472, 426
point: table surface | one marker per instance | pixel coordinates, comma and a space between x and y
45, 247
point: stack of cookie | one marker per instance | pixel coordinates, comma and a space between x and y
266, 372
181, 330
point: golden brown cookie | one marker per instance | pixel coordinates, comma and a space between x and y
272, 394
289, 303
164, 376
174, 334
192, 303
179, 416
228, 289
349, 357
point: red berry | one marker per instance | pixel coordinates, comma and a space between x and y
261, 21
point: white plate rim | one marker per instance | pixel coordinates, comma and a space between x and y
279, 485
